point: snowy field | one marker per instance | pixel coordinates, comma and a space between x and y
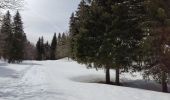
67, 80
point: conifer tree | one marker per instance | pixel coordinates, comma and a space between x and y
38, 47
59, 37
107, 34
42, 49
6, 35
47, 49
53, 47
72, 32
127, 33
19, 39
86, 29
156, 53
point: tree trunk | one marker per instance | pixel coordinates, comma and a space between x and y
164, 82
117, 76
107, 75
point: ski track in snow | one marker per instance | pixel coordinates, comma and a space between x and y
63, 80
31, 84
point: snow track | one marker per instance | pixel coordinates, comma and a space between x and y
63, 80
29, 83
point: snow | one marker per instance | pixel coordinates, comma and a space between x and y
67, 80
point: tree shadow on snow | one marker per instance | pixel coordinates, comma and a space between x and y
89, 78
31, 64
144, 84
139, 84
5, 72
3, 64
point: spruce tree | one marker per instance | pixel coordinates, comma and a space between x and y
47, 49
156, 53
59, 37
17, 51
87, 30
107, 34
64, 48
6, 35
38, 47
72, 32
42, 49
53, 47
127, 34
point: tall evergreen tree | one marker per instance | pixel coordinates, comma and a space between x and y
59, 37
86, 32
38, 47
156, 43
47, 49
17, 51
53, 47
73, 30
107, 34
6, 35
42, 50
127, 33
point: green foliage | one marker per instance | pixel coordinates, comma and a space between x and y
18, 41
156, 43
40, 49
53, 47
107, 34
6, 35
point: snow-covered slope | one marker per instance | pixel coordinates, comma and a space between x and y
67, 80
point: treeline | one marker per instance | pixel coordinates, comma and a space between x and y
125, 35
59, 47
14, 45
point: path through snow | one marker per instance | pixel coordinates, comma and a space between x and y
63, 80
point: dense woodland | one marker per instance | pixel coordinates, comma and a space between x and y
125, 35
59, 47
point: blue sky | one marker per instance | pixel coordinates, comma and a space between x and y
44, 17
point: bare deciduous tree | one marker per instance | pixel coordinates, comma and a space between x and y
11, 4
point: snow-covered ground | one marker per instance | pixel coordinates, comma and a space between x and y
67, 80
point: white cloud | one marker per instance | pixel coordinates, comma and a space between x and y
44, 17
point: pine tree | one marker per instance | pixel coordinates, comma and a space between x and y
47, 49
38, 47
64, 46
107, 34
59, 37
127, 33
86, 29
67, 47
42, 48
72, 32
156, 53
6, 35
17, 51
53, 47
